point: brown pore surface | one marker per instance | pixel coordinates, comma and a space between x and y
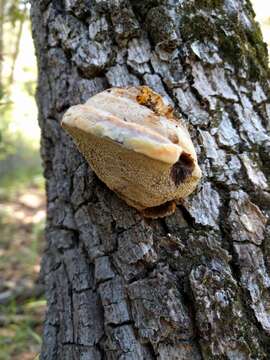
141, 181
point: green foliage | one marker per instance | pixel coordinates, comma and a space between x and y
6, 143
21, 334
30, 87
20, 162
18, 178
15, 11
2, 93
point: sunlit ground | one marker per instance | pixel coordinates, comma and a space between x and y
22, 201
22, 305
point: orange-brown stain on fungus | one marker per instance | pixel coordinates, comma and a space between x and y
154, 102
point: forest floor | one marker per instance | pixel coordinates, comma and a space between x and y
22, 304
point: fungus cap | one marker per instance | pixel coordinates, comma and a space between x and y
137, 147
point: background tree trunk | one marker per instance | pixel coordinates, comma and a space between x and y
2, 17
15, 53
194, 285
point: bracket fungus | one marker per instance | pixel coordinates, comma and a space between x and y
137, 147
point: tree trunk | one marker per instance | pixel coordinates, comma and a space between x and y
194, 285
2, 18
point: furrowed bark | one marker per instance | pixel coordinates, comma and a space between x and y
194, 285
